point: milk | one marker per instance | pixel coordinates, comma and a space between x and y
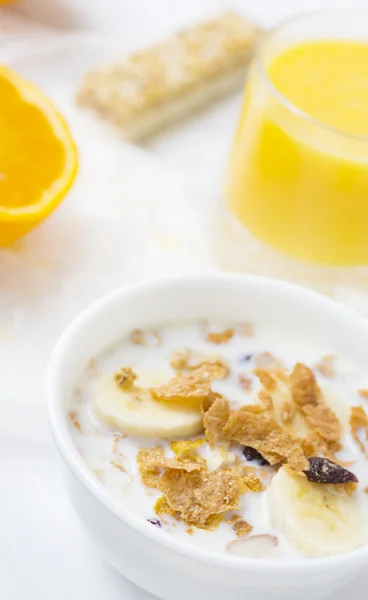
112, 457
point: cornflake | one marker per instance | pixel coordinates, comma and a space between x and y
266, 399
151, 460
180, 359
288, 412
358, 420
92, 366
242, 528
320, 446
192, 388
161, 507
245, 329
220, 337
157, 338
267, 379
309, 400
325, 423
150, 474
245, 382
250, 481
79, 395
158, 459
185, 448
215, 419
201, 496
117, 465
211, 523
310, 445
363, 393
277, 398
231, 520
304, 387
97, 473
326, 366
223, 368
266, 360
138, 337
125, 378
254, 426
74, 419
187, 360
115, 444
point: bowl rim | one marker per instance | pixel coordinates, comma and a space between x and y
73, 460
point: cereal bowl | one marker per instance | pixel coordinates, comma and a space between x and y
150, 557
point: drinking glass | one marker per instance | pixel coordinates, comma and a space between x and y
295, 183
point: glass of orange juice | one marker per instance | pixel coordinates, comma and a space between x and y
298, 172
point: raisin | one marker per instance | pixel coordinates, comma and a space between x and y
246, 358
252, 454
155, 522
323, 470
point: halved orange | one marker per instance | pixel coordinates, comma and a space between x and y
38, 157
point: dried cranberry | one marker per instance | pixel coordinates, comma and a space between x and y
155, 522
252, 454
323, 470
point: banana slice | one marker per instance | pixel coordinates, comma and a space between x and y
317, 521
134, 411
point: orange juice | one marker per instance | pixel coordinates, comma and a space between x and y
298, 176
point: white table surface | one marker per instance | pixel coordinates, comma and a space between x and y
44, 553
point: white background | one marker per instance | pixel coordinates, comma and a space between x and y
144, 16
43, 552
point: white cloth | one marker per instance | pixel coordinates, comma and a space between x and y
128, 217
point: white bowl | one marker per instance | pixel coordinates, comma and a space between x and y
151, 558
